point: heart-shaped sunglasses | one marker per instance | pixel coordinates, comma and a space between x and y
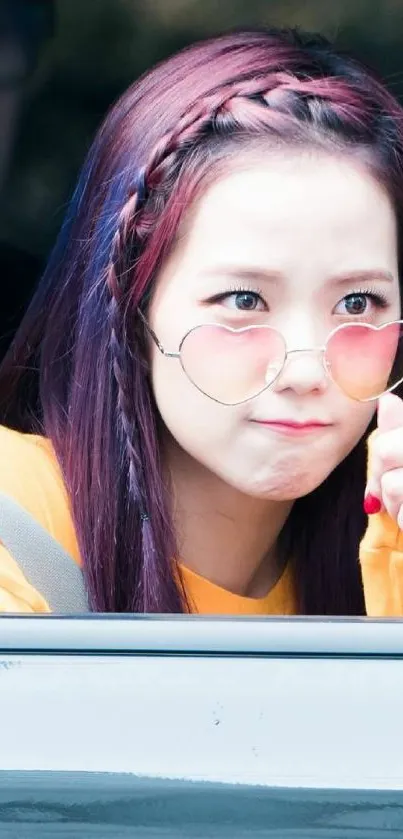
232, 366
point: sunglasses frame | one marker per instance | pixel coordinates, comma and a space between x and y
320, 350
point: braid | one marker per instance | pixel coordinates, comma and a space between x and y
272, 99
118, 285
198, 119
134, 438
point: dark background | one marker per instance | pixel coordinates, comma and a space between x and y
62, 63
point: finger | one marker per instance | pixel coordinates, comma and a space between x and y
392, 491
390, 412
390, 417
386, 452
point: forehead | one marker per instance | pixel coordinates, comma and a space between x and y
290, 211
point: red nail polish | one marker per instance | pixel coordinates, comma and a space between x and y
372, 504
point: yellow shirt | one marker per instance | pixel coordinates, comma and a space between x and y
381, 556
29, 473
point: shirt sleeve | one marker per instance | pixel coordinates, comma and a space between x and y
381, 557
29, 473
16, 594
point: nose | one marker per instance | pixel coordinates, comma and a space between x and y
303, 372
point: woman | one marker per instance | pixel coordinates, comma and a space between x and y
207, 336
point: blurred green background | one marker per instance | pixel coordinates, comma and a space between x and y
83, 53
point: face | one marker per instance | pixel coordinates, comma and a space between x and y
302, 243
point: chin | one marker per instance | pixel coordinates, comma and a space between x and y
281, 488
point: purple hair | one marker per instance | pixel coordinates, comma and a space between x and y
77, 369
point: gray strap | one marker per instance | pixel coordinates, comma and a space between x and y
45, 564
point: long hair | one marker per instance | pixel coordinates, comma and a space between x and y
77, 369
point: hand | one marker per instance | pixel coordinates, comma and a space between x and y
385, 483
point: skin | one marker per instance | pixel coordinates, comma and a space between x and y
297, 230
386, 461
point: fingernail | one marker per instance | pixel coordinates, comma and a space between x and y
372, 504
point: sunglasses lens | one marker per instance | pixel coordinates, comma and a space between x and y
229, 365
365, 361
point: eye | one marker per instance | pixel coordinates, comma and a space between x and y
243, 300
361, 303
355, 304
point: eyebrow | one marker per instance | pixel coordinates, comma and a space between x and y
243, 272
371, 275
266, 275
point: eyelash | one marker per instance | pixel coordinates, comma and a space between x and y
377, 297
238, 290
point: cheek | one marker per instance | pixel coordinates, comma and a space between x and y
353, 421
197, 423
356, 420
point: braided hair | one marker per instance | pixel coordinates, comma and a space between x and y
156, 151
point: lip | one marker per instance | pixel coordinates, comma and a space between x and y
288, 426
